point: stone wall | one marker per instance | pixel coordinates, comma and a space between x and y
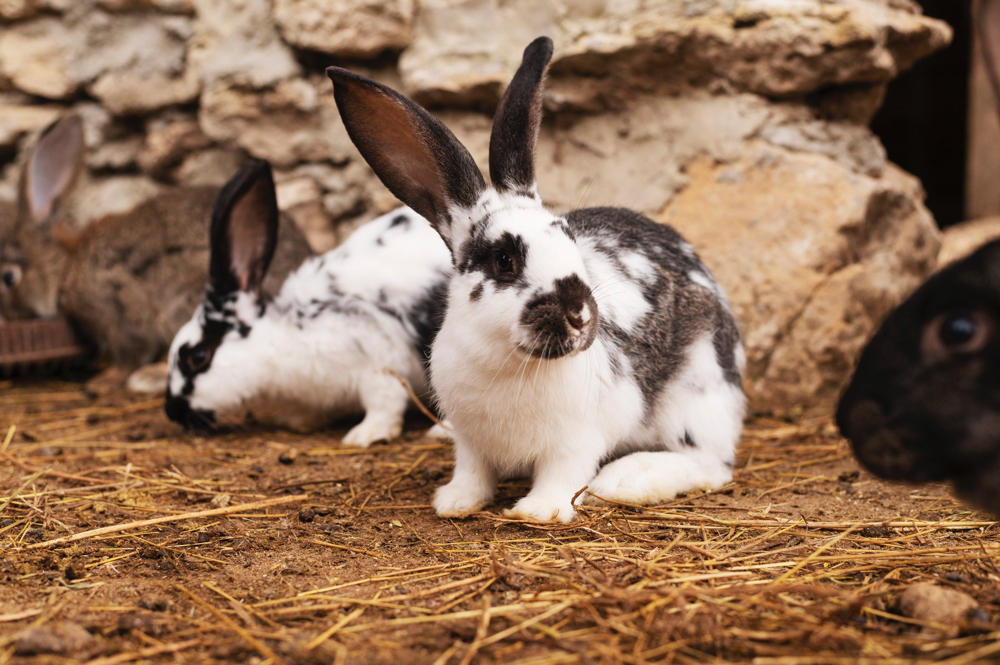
741, 122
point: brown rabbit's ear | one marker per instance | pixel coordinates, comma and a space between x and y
517, 121
244, 230
52, 169
988, 23
411, 151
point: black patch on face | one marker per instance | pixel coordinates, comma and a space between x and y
502, 260
220, 319
477, 292
179, 410
555, 317
688, 441
399, 220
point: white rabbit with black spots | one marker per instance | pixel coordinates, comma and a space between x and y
324, 346
588, 349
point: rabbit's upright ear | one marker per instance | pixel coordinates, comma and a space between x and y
988, 23
52, 170
412, 152
244, 230
517, 121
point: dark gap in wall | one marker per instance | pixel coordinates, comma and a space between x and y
923, 122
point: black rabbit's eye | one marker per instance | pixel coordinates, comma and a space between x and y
955, 333
10, 278
504, 262
958, 329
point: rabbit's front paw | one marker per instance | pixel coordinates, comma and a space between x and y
540, 508
458, 500
372, 429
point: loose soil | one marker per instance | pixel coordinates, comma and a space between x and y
801, 559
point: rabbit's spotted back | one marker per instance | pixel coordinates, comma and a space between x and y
924, 401
346, 327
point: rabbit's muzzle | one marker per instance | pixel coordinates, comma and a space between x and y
892, 450
179, 410
561, 321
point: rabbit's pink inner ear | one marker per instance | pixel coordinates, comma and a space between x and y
988, 24
253, 233
386, 137
411, 152
53, 167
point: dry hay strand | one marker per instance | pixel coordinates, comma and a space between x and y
165, 545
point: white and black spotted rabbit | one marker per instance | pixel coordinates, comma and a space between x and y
569, 341
322, 348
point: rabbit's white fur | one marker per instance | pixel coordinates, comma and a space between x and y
323, 357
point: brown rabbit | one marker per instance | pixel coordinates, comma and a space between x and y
128, 282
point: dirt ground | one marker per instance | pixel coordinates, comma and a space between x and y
286, 548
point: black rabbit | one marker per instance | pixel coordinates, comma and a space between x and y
924, 402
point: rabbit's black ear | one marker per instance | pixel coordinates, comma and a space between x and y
52, 169
244, 230
411, 151
517, 121
988, 24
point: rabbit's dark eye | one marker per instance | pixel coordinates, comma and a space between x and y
958, 329
956, 332
504, 263
197, 359
10, 277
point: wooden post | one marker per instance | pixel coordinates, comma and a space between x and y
982, 183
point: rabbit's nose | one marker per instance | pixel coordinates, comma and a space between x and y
576, 320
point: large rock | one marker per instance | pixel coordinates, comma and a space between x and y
812, 255
34, 58
607, 52
212, 167
638, 156
294, 121
133, 63
11, 10
168, 141
346, 28
302, 200
238, 42
18, 118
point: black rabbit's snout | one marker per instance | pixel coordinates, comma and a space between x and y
885, 448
